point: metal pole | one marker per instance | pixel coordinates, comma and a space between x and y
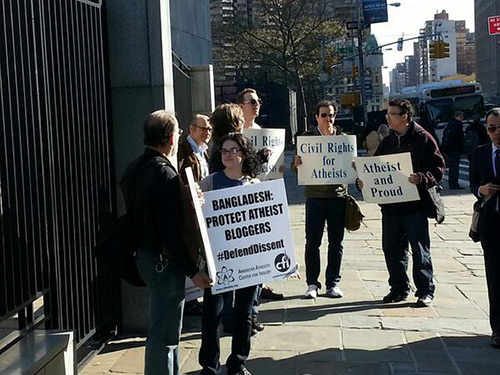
361, 72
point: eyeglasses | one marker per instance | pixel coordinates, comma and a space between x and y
253, 102
204, 128
323, 115
232, 151
493, 128
394, 114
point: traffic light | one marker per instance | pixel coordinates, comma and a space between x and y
433, 50
354, 71
400, 44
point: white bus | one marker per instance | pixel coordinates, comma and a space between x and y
438, 100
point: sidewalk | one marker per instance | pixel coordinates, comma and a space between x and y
357, 334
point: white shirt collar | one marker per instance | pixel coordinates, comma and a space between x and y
196, 148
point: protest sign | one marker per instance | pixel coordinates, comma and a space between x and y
201, 222
385, 178
274, 141
326, 160
191, 291
250, 235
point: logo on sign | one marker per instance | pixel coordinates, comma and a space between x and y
282, 262
225, 276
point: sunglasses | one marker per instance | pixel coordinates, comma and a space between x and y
323, 115
493, 128
232, 151
253, 102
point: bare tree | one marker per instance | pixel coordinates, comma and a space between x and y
284, 38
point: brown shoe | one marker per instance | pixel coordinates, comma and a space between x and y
268, 293
495, 340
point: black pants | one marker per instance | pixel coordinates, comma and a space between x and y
491, 249
454, 170
399, 230
240, 347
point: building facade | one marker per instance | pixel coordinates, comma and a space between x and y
487, 50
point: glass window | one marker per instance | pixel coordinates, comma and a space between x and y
470, 105
440, 110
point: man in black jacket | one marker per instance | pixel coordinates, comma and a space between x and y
453, 146
484, 177
154, 200
406, 223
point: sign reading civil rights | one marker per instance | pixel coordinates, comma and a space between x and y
274, 141
326, 160
250, 236
385, 178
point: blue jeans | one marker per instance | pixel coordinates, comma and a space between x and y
209, 356
166, 303
319, 211
397, 231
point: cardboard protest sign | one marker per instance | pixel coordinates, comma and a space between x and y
326, 160
201, 223
385, 178
250, 235
191, 291
274, 141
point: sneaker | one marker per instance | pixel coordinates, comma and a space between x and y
311, 293
395, 297
268, 293
334, 292
256, 324
424, 301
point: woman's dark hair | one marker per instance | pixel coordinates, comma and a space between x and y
251, 163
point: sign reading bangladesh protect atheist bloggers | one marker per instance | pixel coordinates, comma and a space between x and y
250, 235
326, 160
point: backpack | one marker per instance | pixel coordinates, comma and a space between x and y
471, 140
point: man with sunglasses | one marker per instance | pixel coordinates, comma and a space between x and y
250, 103
324, 203
407, 223
484, 177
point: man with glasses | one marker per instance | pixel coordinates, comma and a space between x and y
324, 203
250, 103
484, 177
406, 223
193, 148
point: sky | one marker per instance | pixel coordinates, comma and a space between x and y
409, 18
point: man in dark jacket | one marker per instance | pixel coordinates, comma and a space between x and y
484, 180
324, 203
154, 200
406, 223
193, 148
453, 146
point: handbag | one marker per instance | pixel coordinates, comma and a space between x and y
353, 214
433, 204
476, 214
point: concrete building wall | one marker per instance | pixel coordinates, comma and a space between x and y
191, 34
487, 49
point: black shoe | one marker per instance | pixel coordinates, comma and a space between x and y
256, 324
395, 297
243, 371
268, 293
424, 301
253, 332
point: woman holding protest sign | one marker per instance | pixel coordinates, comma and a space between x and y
241, 165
